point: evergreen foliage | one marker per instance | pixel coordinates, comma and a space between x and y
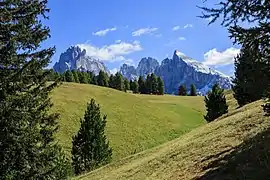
126, 85
75, 75
28, 149
102, 79
154, 84
215, 103
182, 90
193, 91
142, 85
135, 87
83, 77
148, 84
160, 86
119, 82
112, 81
90, 148
69, 76
255, 39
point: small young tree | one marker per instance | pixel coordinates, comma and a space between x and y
193, 91
90, 148
126, 85
160, 86
69, 76
75, 75
215, 103
182, 90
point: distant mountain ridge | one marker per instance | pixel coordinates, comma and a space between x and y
178, 70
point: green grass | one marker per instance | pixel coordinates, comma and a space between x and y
134, 122
235, 146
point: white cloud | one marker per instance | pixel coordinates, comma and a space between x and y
181, 38
188, 26
143, 31
175, 28
213, 57
113, 71
113, 52
104, 31
129, 62
118, 41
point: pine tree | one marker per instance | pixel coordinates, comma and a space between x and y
182, 90
112, 81
247, 88
90, 148
75, 75
193, 91
142, 85
135, 87
69, 76
102, 79
215, 103
119, 82
57, 76
154, 84
91, 77
83, 77
160, 86
126, 85
148, 84
28, 149
255, 38
131, 85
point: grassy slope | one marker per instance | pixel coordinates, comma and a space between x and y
135, 122
237, 146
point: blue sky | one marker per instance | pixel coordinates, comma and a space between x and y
124, 31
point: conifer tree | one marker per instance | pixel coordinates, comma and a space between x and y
215, 103
75, 75
135, 86
142, 85
90, 148
193, 91
160, 86
148, 84
131, 85
91, 77
57, 76
255, 38
154, 84
119, 82
28, 149
112, 81
69, 76
83, 77
126, 85
102, 79
182, 90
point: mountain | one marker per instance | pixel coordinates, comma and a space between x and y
76, 58
179, 70
147, 66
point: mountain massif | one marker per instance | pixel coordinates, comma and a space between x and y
174, 71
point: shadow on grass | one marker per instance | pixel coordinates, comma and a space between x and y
248, 161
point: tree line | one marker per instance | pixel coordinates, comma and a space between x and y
182, 90
151, 85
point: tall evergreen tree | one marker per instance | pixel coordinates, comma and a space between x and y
112, 81
142, 85
131, 85
193, 91
102, 79
182, 90
256, 38
90, 148
28, 149
148, 84
90, 77
160, 86
83, 77
154, 84
69, 76
215, 103
126, 85
75, 76
119, 82
135, 87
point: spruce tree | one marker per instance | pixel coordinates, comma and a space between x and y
154, 84
148, 84
119, 82
215, 103
160, 86
91, 77
75, 76
90, 148
182, 90
83, 77
69, 76
112, 81
193, 91
142, 85
126, 85
28, 149
135, 87
255, 38
102, 79
131, 85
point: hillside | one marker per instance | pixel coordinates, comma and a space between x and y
236, 146
134, 123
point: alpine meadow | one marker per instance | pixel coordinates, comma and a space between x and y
116, 90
